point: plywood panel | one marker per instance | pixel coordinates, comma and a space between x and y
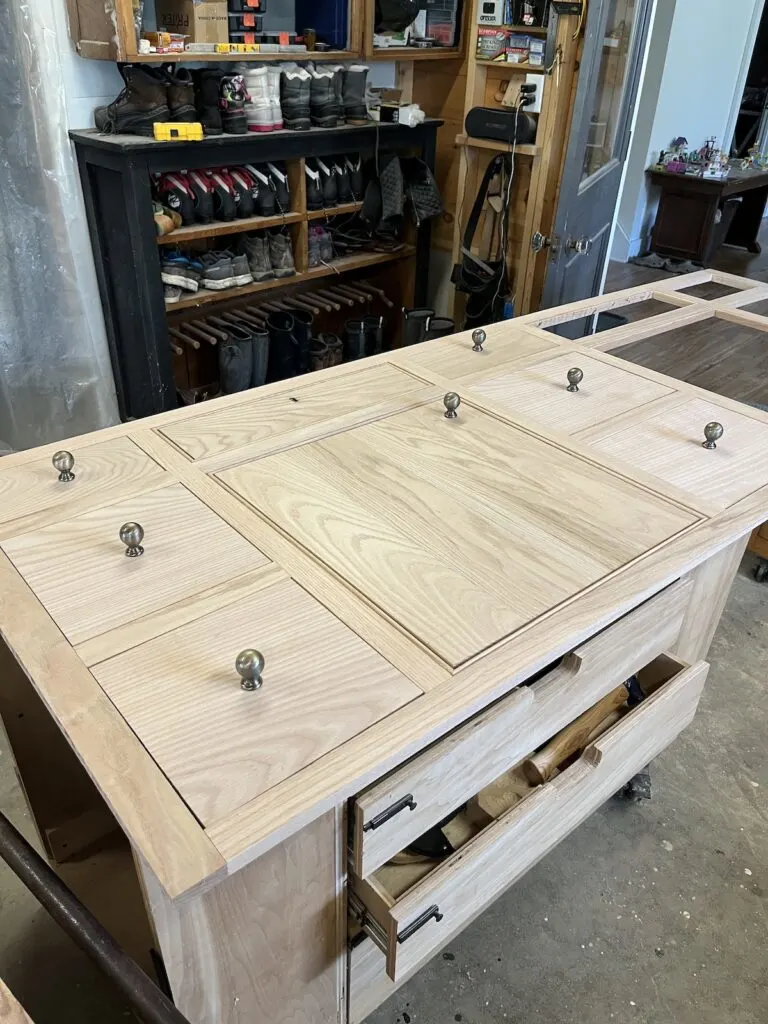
221, 745
79, 571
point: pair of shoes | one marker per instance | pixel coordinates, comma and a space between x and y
290, 338
263, 111
224, 269
149, 95
178, 270
324, 97
243, 356
325, 350
269, 254
221, 193
320, 249
364, 337
333, 180
166, 219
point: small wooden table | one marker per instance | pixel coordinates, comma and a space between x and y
686, 222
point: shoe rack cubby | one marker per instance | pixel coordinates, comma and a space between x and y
150, 363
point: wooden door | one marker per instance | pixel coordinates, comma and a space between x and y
614, 47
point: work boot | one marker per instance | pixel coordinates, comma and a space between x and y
232, 98
323, 105
278, 178
416, 325
236, 359
302, 332
142, 102
282, 360
354, 340
313, 248
314, 185
319, 354
355, 79
325, 241
281, 253
181, 96
259, 110
260, 358
273, 93
257, 253
343, 185
295, 91
374, 334
207, 83
354, 168
439, 327
335, 348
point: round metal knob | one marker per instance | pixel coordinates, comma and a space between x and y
63, 462
451, 403
478, 339
250, 665
575, 377
131, 534
712, 432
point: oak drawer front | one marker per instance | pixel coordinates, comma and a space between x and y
456, 357
392, 813
411, 928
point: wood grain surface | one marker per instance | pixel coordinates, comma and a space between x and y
384, 506
220, 745
95, 588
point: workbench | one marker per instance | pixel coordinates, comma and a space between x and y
253, 650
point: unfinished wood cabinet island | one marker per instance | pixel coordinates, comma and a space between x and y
255, 651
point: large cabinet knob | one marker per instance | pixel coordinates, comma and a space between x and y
63, 462
250, 665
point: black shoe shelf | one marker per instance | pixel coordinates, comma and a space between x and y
150, 363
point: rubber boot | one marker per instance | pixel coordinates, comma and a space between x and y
282, 362
354, 83
260, 358
207, 82
323, 105
143, 101
354, 340
374, 335
236, 359
335, 348
439, 327
302, 332
319, 354
416, 325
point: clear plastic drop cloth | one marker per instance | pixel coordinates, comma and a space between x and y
55, 373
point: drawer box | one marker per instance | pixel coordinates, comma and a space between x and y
409, 920
422, 792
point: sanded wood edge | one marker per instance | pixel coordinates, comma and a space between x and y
680, 281
734, 280
742, 298
652, 326
742, 317
154, 817
675, 298
11, 1011
586, 307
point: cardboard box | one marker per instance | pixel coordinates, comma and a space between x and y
204, 22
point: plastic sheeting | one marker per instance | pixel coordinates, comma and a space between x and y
55, 373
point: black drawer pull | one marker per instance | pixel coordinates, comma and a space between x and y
420, 921
381, 819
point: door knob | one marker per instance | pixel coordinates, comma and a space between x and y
581, 246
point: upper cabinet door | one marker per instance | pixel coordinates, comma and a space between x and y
461, 530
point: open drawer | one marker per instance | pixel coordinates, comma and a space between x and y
411, 909
403, 805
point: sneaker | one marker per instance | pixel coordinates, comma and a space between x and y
256, 247
265, 192
174, 191
241, 272
323, 105
194, 268
343, 184
207, 85
354, 166
202, 192
233, 97
273, 92
175, 271
217, 271
142, 102
181, 96
245, 192
278, 176
313, 248
171, 293
295, 98
258, 110
314, 185
224, 202
281, 253
327, 182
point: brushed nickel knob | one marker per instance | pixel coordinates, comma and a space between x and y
478, 339
131, 534
250, 665
451, 403
63, 462
575, 377
712, 432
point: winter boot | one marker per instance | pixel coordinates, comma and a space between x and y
354, 340
374, 334
207, 82
224, 202
355, 79
327, 182
281, 253
259, 110
314, 185
273, 93
319, 354
354, 168
439, 327
236, 359
282, 360
323, 105
295, 91
260, 358
232, 97
257, 253
338, 87
245, 190
335, 348
181, 96
265, 193
142, 102
202, 190
416, 325
278, 177
302, 332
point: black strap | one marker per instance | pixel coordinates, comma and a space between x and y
499, 163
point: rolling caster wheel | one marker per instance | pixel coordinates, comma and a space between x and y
761, 572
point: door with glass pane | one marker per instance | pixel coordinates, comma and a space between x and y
614, 46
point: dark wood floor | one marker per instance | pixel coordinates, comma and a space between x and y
720, 356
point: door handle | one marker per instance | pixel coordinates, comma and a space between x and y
581, 246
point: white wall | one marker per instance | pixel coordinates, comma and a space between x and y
695, 69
